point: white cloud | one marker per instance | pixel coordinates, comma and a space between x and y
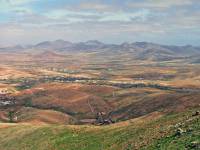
97, 20
160, 4
102, 7
14, 6
125, 16
82, 16
15, 2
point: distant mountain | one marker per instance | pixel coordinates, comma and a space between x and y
11, 48
145, 50
136, 50
54, 45
93, 43
61, 45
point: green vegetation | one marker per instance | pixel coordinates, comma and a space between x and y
11, 115
28, 103
190, 138
153, 134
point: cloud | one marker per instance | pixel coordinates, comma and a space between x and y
126, 16
31, 21
82, 16
16, 2
160, 4
95, 6
11, 9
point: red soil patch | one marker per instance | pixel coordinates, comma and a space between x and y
74, 98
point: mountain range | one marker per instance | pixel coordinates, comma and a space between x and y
137, 50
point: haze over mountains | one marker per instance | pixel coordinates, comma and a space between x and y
138, 50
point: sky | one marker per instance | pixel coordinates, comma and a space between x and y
171, 22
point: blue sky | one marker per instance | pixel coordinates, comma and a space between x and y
112, 21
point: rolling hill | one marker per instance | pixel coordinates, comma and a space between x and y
92, 95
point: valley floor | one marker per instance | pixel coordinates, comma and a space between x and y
148, 104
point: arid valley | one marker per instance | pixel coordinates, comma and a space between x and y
101, 88
99, 75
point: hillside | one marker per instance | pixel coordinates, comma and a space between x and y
153, 131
